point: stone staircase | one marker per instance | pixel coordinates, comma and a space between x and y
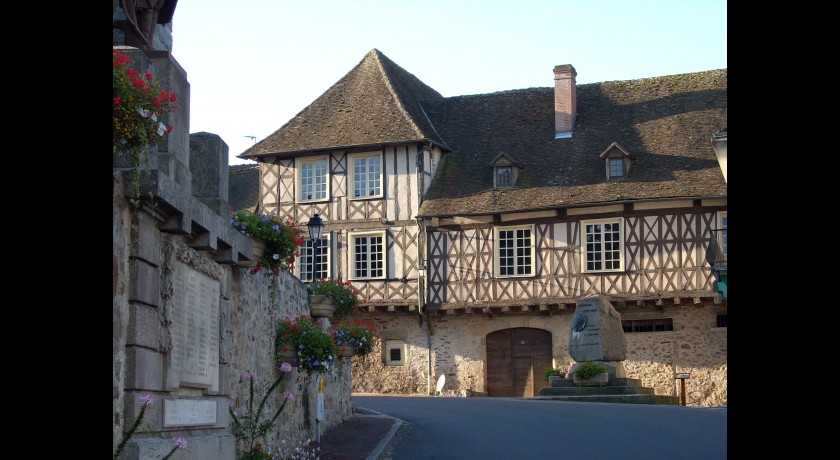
616, 390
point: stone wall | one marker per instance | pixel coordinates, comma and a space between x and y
188, 320
459, 351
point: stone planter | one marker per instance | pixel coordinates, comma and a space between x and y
321, 306
596, 380
258, 251
346, 351
287, 353
554, 380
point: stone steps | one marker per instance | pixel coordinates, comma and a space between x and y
617, 390
621, 399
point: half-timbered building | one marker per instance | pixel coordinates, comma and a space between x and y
473, 224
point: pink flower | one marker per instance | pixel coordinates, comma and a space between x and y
252, 375
285, 367
180, 442
288, 394
147, 399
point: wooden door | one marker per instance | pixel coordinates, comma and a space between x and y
516, 361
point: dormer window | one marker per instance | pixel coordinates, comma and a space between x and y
618, 161
616, 167
505, 171
504, 176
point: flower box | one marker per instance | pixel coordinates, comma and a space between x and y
287, 353
321, 306
596, 380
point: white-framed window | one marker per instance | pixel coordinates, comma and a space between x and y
504, 176
367, 254
394, 352
313, 178
366, 175
514, 250
721, 233
616, 167
603, 247
317, 256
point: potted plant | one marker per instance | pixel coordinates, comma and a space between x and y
590, 373
354, 337
552, 372
140, 106
280, 237
316, 350
341, 294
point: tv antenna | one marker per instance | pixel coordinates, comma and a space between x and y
253, 138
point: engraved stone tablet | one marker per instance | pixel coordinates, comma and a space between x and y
186, 412
596, 333
195, 329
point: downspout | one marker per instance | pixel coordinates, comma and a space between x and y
421, 269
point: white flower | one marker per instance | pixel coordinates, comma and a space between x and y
161, 128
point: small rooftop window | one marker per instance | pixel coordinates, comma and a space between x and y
506, 170
618, 161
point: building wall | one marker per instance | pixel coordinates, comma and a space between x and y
664, 254
459, 352
160, 314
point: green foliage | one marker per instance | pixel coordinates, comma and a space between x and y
249, 429
589, 369
358, 334
315, 347
140, 105
146, 401
552, 372
282, 238
342, 293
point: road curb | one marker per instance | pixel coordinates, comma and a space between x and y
380, 448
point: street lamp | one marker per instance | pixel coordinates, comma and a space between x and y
316, 227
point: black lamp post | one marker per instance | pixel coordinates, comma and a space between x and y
316, 227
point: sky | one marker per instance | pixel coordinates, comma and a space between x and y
253, 65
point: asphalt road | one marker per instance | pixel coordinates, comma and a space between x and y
518, 428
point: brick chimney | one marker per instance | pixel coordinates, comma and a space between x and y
565, 100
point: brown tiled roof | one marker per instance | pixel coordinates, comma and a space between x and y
375, 103
244, 186
666, 123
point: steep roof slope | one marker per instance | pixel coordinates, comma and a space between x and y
375, 103
666, 123
244, 186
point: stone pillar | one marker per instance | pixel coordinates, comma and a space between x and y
209, 168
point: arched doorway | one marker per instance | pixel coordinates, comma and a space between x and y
516, 361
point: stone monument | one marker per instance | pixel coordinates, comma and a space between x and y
596, 335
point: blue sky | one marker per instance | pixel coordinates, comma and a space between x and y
254, 64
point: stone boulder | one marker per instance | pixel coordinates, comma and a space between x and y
596, 333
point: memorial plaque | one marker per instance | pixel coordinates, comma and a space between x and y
187, 412
195, 329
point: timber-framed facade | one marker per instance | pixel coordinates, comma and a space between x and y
474, 224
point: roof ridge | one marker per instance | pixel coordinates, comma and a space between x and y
378, 56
